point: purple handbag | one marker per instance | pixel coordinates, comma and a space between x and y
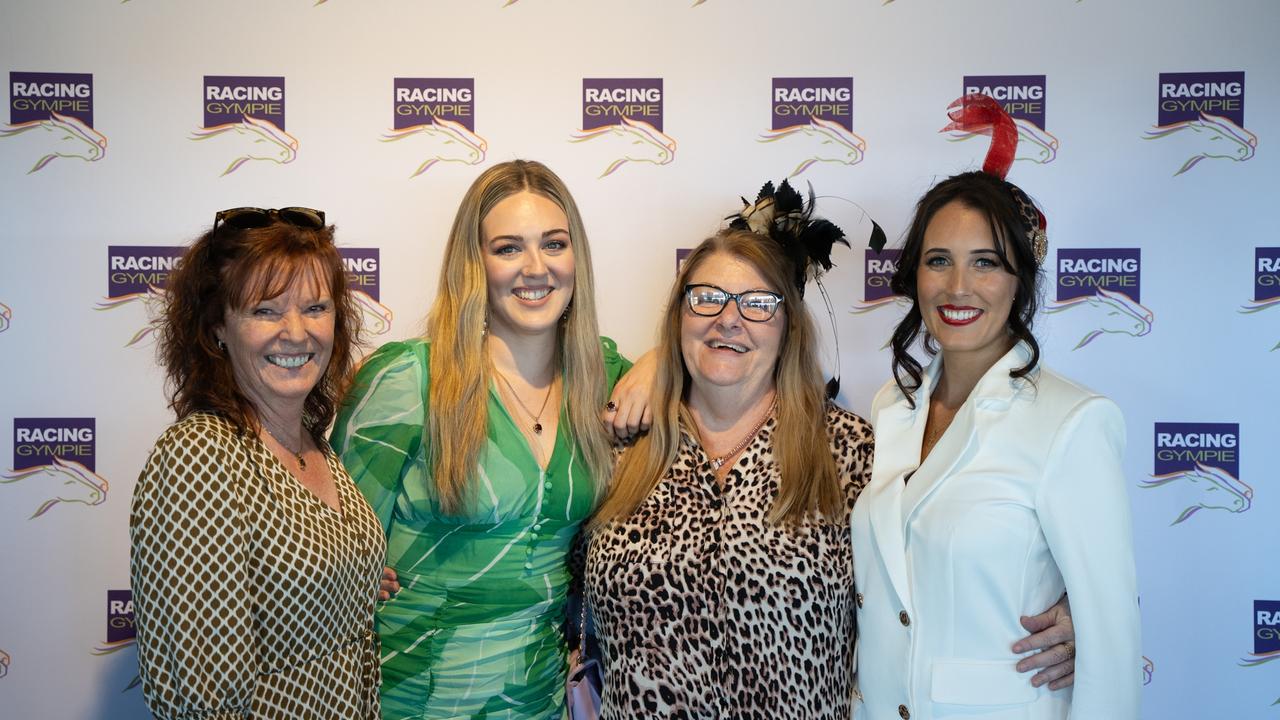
585, 680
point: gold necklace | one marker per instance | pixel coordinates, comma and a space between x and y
537, 424
718, 462
297, 454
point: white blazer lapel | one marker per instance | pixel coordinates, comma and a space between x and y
994, 391
883, 494
936, 469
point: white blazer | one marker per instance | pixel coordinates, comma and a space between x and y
1021, 498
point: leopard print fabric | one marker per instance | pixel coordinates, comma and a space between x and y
705, 610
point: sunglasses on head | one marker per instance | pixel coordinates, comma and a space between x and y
244, 218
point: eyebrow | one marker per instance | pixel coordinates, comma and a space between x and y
520, 238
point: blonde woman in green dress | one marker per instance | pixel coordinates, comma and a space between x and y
481, 451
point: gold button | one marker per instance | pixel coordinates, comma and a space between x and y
904, 618
858, 597
904, 713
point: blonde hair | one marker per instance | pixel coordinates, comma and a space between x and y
460, 373
809, 482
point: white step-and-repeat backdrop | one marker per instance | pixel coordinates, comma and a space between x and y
1146, 130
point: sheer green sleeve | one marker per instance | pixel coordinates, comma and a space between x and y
379, 429
615, 366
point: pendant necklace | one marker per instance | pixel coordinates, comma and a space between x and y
537, 419
297, 454
718, 462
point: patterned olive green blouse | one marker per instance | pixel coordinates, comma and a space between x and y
476, 628
253, 598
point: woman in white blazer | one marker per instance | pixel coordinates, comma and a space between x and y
997, 486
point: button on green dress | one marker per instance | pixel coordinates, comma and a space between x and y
475, 631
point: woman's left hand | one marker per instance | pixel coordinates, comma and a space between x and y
628, 413
1054, 636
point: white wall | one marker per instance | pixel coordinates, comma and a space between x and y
1107, 185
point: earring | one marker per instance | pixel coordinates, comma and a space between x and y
221, 345
484, 329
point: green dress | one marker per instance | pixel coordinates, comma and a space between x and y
475, 631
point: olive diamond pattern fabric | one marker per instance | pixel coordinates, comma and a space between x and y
252, 598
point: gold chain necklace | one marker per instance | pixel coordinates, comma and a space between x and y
537, 419
297, 454
718, 462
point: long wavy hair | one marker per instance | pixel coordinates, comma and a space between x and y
994, 198
457, 426
809, 484
230, 269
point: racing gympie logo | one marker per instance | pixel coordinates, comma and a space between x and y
244, 118
1266, 636
682, 254
878, 270
52, 113
120, 629
623, 119
813, 118
137, 275
1099, 293
53, 461
435, 119
1205, 112
1266, 282
6, 317
1023, 97
1197, 467
364, 279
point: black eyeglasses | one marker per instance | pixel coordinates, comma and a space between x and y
754, 305
244, 218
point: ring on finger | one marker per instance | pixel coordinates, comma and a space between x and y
1070, 647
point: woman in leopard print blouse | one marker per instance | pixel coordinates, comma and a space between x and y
719, 570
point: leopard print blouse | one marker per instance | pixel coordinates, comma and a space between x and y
705, 610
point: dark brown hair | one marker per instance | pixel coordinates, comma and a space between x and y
995, 199
233, 268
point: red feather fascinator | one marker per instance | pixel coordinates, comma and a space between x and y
977, 113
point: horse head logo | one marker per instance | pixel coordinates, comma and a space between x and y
443, 141
6, 317
254, 139
1148, 669
60, 136
1034, 143
1259, 306
153, 300
825, 141
631, 141
1204, 488
1109, 312
4, 663
63, 480
375, 316
1259, 659
1212, 136
114, 647
863, 308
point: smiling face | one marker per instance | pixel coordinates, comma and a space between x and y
279, 347
529, 264
727, 351
964, 292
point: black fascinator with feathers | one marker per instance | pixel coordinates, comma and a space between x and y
783, 215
